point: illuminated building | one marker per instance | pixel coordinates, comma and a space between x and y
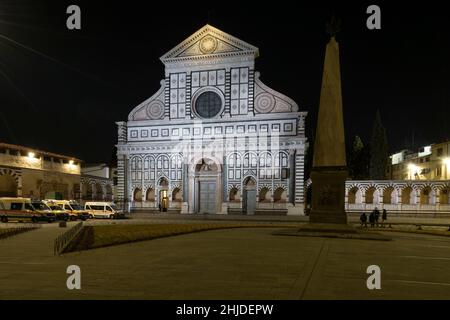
213, 138
37, 174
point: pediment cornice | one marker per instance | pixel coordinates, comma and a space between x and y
209, 43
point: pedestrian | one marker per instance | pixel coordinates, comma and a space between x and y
383, 217
372, 219
377, 216
363, 219
159, 207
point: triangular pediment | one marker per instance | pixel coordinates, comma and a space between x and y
209, 42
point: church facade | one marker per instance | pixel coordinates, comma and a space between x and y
213, 138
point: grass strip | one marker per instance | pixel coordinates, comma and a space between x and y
92, 237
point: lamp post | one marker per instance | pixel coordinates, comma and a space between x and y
447, 167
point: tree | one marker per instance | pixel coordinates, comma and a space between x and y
378, 150
358, 160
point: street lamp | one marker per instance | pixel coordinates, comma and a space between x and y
447, 166
413, 170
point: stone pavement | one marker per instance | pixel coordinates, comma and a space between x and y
229, 264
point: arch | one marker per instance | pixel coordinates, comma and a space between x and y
352, 195
281, 159
250, 160
265, 159
264, 194
8, 186
198, 160
162, 162
427, 195
280, 195
234, 160
444, 196
163, 182
137, 195
177, 195
235, 195
389, 195
408, 195
206, 165
150, 194
176, 161
249, 182
371, 195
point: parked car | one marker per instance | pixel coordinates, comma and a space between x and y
22, 209
105, 210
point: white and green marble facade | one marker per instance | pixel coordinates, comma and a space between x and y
255, 142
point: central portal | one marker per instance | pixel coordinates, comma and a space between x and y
207, 196
207, 186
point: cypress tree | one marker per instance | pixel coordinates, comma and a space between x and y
358, 164
378, 150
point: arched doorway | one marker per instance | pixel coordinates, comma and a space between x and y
150, 195
444, 196
207, 186
371, 196
235, 195
427, 196
280, 196
352, 195
249, 203
163, 194
408, 196
137, 195
8, 186
388, 196
177, 195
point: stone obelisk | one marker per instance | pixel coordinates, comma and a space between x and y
329, 164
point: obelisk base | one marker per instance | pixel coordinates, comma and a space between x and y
328, 196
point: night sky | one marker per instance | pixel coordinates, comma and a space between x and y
62, 91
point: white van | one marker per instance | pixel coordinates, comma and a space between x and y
106, 210
24, 209
16, 204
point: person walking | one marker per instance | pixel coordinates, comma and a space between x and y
363, 219
372, 219
377, 216
383, 217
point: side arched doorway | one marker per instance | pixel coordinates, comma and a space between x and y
249, 199
163, 195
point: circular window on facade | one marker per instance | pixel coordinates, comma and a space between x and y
208, 104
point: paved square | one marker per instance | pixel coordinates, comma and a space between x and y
229, 264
